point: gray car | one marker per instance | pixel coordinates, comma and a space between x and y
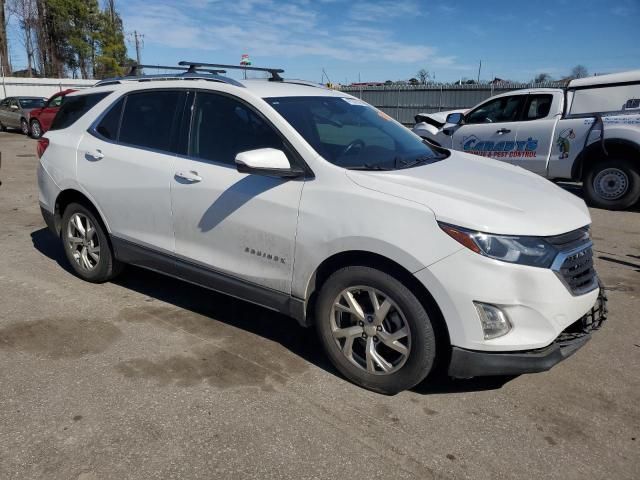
14, 112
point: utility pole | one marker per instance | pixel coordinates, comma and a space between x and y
137, 38
479, 68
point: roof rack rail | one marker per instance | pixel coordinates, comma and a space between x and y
275, 77
136, 69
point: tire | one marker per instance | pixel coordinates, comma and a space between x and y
36, 129
24, 127
409, 366
2, 127
613, 184
82, 251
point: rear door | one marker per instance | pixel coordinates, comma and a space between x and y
539, 118
125, 161
490, 129
14, 114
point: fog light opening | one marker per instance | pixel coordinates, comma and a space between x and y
495, 322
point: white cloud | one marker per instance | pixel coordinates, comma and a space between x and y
265, 28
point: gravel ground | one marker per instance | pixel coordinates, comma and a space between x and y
150, 377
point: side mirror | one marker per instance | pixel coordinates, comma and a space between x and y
455, 118
268, 162
14, 107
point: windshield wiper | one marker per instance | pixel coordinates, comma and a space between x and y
413, 163
368, 166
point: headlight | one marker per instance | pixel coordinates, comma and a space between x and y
532, 251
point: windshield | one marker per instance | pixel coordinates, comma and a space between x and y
31, 102
352, 134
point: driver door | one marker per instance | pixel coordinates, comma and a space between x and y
490, 130
237, 224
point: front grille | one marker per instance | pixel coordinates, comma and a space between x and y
574, 263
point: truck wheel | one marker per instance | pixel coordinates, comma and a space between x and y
87, 246
374, 330
613, 184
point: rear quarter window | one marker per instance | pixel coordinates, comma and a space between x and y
75, 107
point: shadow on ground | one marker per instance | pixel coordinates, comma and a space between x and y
246, 316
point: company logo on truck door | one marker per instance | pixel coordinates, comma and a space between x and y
506, 148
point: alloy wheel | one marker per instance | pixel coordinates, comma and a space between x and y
370, 330
35, 129
83, 241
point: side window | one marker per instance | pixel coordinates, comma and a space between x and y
75, 107
223, 127
503, 109
13, 102
148, 119
110, 123
56, 102
538, 106
4, 103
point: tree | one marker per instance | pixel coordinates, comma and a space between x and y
542, 78
112, 51
5, 65
26, 12
579, 71
423, 76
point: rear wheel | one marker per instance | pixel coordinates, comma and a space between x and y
24, 126
87, 246
374, 330
36, 129
613, 184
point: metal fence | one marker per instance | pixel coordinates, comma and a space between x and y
39, 87
404, 102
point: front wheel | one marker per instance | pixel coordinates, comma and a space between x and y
374, 330
87, 246
613, 184
36, 129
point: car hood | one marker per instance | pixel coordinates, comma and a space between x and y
483, 194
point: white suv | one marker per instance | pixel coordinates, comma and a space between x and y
405, 256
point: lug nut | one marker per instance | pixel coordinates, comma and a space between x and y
364, 335
375, 339
361, 324
379, 328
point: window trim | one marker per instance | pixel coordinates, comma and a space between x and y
518, 116
296, 158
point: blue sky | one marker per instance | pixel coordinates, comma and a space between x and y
385, 39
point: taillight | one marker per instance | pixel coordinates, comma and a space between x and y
43, 143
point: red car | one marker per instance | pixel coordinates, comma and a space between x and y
40, 118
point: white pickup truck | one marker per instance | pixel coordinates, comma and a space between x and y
587, 132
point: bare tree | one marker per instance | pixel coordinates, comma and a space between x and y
26, 13
423, 76
542, 78
579, 71
5, 65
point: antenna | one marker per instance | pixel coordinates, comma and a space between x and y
194, 66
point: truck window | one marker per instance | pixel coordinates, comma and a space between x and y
503, 109
601, 99
537, 106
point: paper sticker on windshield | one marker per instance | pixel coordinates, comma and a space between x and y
355, 101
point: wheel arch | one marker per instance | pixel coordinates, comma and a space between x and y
364, 258
68, 196
593, 153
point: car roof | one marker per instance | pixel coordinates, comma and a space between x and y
527, 91
622, 77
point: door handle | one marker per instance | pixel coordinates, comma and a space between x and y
191, 176
96, 154
503, 130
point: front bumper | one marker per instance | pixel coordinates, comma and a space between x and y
471, 363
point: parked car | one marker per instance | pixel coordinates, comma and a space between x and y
14, 112
310, 202
41, 118
588, 132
